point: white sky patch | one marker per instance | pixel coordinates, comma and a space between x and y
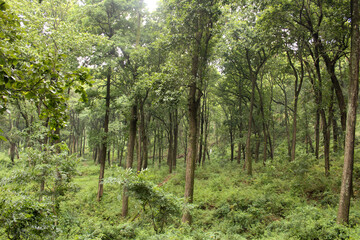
151, 4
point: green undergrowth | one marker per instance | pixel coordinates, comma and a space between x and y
281, 200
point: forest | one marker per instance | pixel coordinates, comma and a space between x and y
201, 119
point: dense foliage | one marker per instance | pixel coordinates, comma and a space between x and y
204, 119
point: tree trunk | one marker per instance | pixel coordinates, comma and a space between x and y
139, 149
206, 114
257, 148
239, 153
346, 183
12, 151
170, 146
317, 132
105, 137
297, 89
160, 147
175, 136
185, 145
144, 139
201, 142
264, 126
248, 160
192, 146
335, 134
121, 155
231, 144
84, 143
193, 105
330, 66
95, 154
287, 125
109, 157
154, 148
130, 155
326, 135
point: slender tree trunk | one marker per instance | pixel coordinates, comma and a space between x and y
326, 135
257, 148
104, 140
108, 156
330, 66
231, 144
170, 146
335, 134
264, 125
193, 107
297, 89
160, 146
175, 135
121, 154
144, 139
99, 155
185, 145
346, 183
317, 132
287, 125
84, 142
192, 147
80, 145
139, 149
130, 155
201, 142
248, 160
239, 153
293, 142
154, 148
95, 154
206, 131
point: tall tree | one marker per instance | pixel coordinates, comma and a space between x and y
346, 183
193, 24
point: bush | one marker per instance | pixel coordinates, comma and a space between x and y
308, 222
158, 206
23, 217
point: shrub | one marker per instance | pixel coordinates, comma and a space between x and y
23, 217
158, 206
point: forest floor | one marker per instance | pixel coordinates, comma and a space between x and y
282, 200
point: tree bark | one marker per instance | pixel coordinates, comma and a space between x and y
192, 145
248, 160
297, 89
193, 106
105, 137
139, 148
170, 146
130, 155
175, 136
232, 144
201, 141
206, 133
346, 183
154, 148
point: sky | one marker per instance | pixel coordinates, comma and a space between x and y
151, 4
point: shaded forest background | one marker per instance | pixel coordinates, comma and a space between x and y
201, 120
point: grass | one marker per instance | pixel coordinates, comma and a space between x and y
281, 201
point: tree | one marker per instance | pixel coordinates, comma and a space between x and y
193, 22
110, 18
346, 183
